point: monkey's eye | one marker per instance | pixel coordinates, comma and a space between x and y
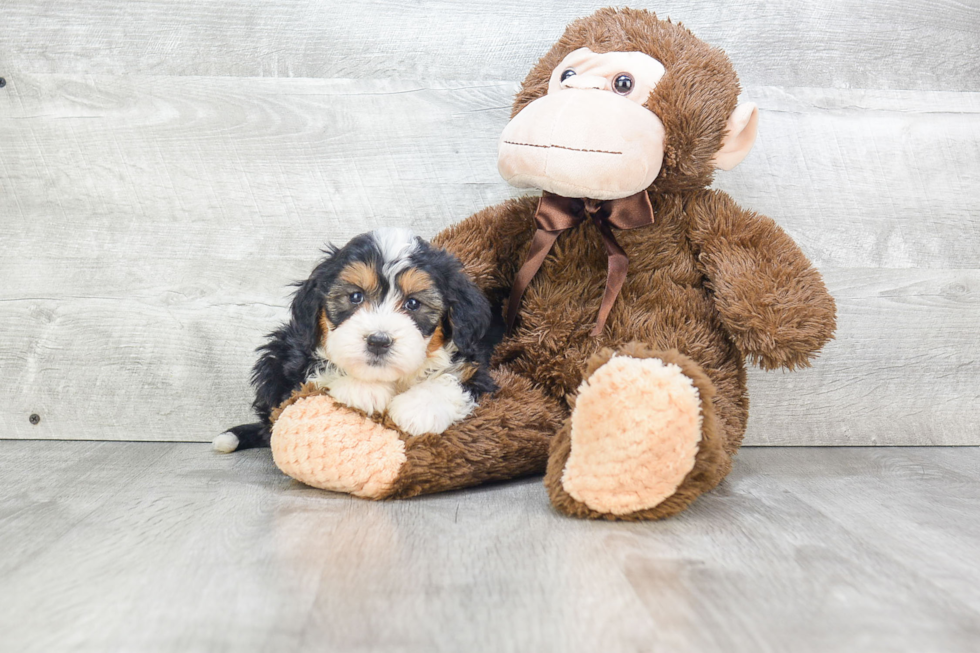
568, 73
412, 304
356, 297
623, 84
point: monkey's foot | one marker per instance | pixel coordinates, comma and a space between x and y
641, 442
329, 446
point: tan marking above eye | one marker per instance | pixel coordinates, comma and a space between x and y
414, 280
361, 275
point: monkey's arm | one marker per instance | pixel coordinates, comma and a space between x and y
492, 243
771, 299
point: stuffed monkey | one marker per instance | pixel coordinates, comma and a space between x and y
633, 293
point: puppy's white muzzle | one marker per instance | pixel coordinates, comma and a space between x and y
378, 345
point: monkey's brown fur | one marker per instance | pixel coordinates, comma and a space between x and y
709, 286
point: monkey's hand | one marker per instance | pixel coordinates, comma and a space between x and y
772, 301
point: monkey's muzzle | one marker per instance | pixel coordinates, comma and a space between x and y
583, 143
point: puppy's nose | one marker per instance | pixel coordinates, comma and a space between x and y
378, 343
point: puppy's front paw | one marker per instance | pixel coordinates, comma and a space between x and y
416, 419
372, 398
431, 406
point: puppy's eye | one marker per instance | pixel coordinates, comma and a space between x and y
623, 84
412, 304
356, 297
568, 73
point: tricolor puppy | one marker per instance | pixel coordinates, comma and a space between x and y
385, 324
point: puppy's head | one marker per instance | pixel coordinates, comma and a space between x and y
379, 306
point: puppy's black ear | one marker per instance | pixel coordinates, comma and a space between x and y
308, 302
305, 313
286, 360
469, 315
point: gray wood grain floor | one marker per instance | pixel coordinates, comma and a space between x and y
112, 546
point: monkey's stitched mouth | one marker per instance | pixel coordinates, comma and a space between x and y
561, 147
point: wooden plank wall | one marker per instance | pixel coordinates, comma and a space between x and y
166, 167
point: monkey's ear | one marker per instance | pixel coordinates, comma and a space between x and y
740, 133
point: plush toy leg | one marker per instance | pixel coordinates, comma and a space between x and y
324, 444
329, 446
642, 441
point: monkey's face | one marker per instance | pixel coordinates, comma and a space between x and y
591, 135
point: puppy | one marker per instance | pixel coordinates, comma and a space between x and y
385, 324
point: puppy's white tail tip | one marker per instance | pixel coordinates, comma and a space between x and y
225, 443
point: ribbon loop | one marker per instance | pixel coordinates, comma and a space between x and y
556, 214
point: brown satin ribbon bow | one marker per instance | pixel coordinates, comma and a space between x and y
556, 214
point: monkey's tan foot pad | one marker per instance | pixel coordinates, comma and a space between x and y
635, 432
324, 444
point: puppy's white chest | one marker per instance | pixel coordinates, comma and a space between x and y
427, 402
